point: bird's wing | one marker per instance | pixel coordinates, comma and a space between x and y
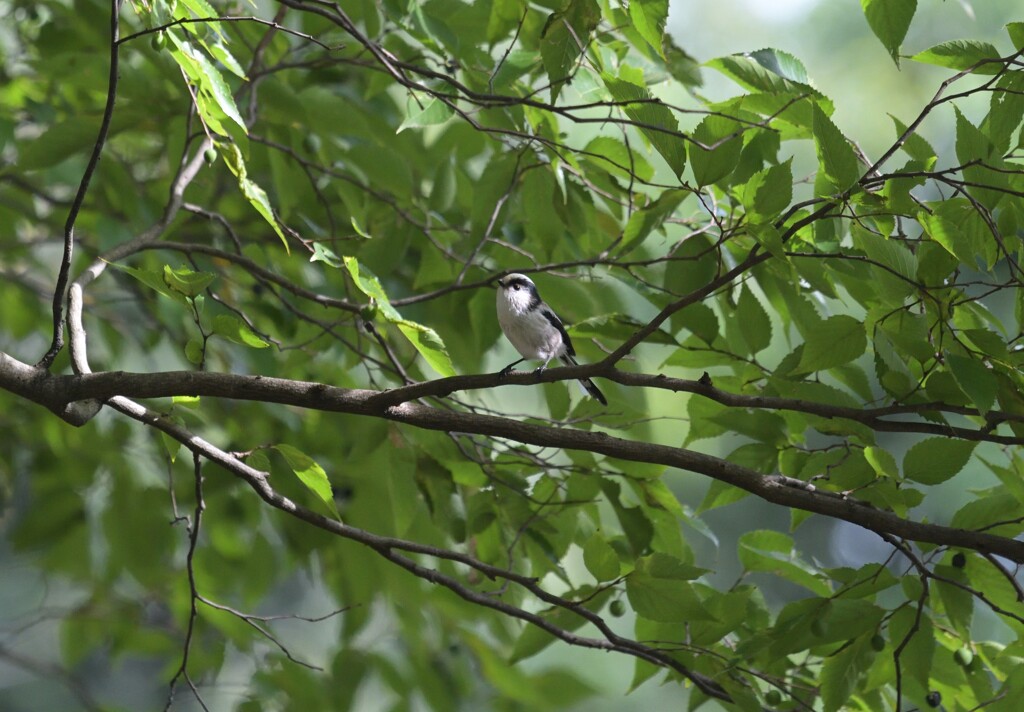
557, 323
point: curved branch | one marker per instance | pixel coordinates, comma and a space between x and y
63, 273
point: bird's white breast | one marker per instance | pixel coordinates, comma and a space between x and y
529, 331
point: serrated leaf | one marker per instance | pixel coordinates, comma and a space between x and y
429, 344
947, 234
564, 38
234, 329
768, 192
322, 253
713, 164
649, 18
937, 459
962, 54
770, 71
424, 111
617, 326
209, 82
600, 558
833, 342
646, 220
256, 196
613, 156
659, 589
889, 20
836, 158
656, 120
424, 339
754, 324
915, 145
770, 551
220, 51
310, 474
882, 462
841, 672
974, 379
1016, 32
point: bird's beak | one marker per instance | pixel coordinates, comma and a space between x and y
499, 282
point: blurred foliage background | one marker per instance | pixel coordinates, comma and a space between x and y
94, 597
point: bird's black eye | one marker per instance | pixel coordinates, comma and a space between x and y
515, 287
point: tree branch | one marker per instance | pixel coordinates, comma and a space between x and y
778, 490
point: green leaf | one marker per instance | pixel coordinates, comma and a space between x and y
770, 551
220, 52
612, 155
600, 558
956, 600
882, 462
890, 20
915, 145
918, 653
836, 158
649, 18
1016, 32
429, 344
754, 324
977, 381
768, 192
841, 672
234, 329
713, 164
961, 55
422, 110
210, 83
256, 196
771, 71
949, 235
564, 38
655, 120
659, 589
310, 474
187, 282
935, 460
322, 253
153, 279
833, 342
424, 339
644, 221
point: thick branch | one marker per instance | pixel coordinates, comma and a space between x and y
318, 396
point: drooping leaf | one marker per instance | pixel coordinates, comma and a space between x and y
649, 18
934, 460
833, 342
426, 341
890, 20
234, 329
836, 158
310, 474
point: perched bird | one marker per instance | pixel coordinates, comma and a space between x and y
535, 330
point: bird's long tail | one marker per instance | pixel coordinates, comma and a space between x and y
589, 386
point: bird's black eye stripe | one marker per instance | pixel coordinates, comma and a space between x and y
518, 283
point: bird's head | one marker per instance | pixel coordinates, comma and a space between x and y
519, 291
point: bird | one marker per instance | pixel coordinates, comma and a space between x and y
534, 329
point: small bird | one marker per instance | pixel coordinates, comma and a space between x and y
535, 330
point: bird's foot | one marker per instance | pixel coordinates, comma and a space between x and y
538, 371
505, 371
